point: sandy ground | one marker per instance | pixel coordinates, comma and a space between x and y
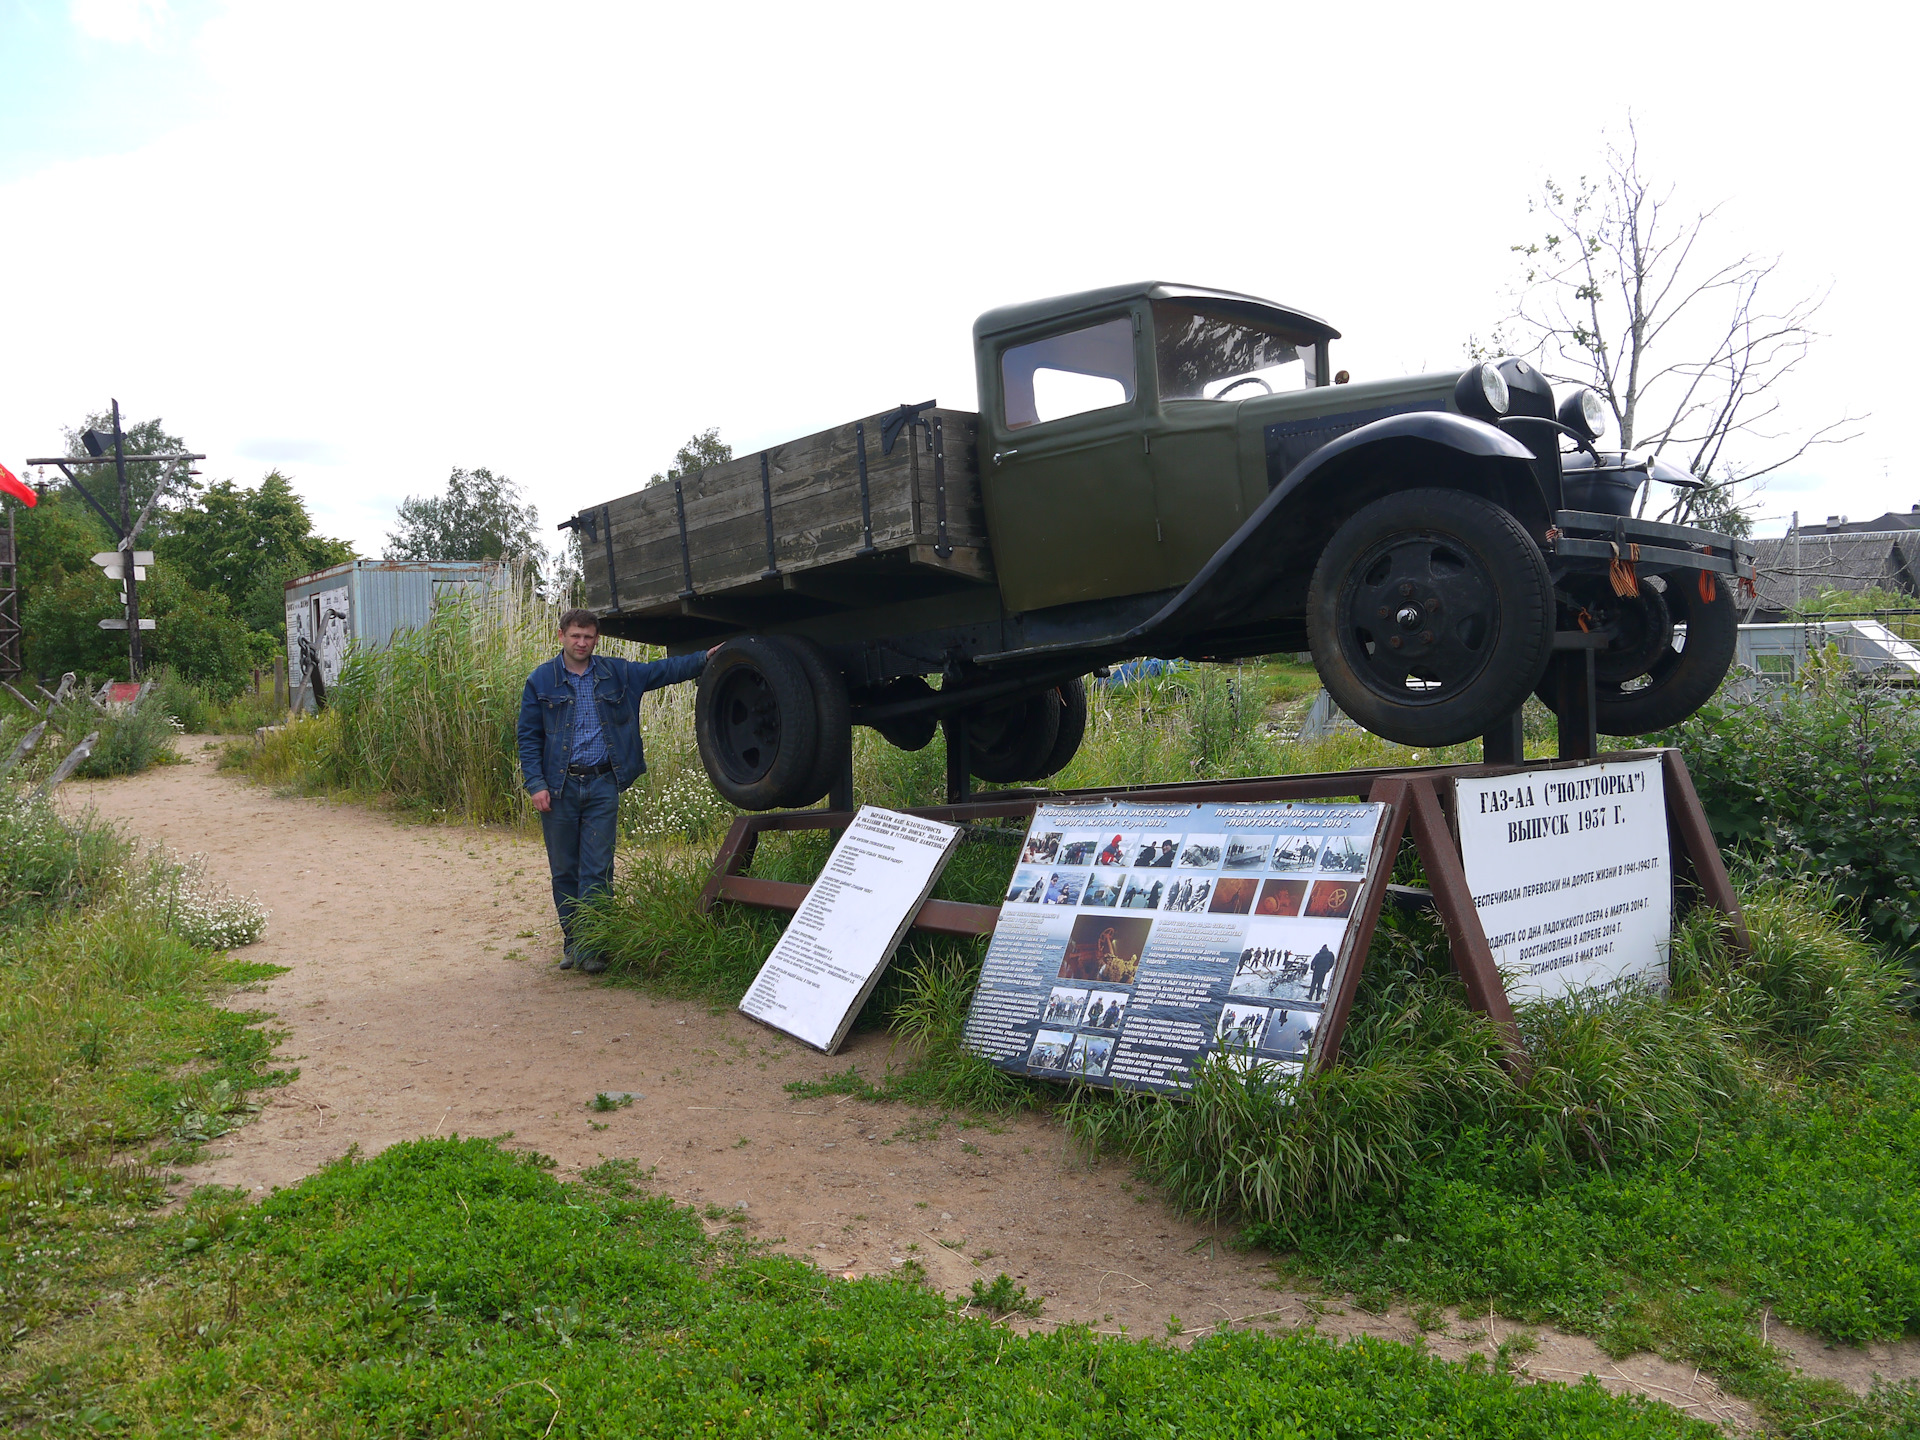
422, 998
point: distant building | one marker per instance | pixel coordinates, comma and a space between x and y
367, 602
1843, 554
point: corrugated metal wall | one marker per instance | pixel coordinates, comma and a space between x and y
387, 596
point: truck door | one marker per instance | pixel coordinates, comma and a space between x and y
1064, 470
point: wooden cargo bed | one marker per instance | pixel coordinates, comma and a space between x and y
782, 532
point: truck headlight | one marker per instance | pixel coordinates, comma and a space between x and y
1584, 413
1482, 393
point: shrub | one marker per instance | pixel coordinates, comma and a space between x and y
1821, 780
47, 861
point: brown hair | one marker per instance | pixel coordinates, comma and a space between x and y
586, 619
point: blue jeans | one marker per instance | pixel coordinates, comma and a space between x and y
579, 831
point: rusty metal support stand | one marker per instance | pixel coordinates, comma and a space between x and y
1573, 698
1506, 743
959, 759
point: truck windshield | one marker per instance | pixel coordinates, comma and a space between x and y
1203, 356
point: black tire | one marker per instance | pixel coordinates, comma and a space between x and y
1409, 669
1073, 728
1010, 742
833, 717
756, 724
913, 732
1644, 683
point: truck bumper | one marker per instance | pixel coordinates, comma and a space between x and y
1587, 540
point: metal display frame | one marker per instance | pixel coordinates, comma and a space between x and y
1418, 801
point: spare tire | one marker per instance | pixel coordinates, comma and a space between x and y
756, 723
1012, 741
1653, 678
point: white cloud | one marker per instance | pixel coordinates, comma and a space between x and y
125, 22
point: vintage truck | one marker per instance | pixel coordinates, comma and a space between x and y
1162, 470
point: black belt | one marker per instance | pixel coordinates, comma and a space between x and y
605, 767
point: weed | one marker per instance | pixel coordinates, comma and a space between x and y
1003, 1297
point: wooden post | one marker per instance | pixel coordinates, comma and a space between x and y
1472, 956
1687, 823
280, 682
1393, 794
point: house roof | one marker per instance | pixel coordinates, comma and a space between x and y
1794, 568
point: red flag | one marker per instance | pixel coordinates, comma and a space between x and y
10, 485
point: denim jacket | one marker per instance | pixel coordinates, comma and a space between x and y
546, 715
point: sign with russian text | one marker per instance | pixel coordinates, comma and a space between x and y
1137, 940
1571, 873
840, 939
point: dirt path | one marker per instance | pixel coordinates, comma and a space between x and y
421, 998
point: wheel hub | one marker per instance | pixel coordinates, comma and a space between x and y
1421, 612
749, 726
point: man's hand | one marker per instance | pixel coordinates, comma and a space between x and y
542, 800
710, 652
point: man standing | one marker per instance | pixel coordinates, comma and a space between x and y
579, 748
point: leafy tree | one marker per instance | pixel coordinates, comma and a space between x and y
195, 632
171, 481
479, 518
702, 452
1690, 353
246, 544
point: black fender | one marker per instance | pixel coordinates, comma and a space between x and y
1264, 566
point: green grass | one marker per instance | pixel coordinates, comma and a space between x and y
114, 1058
449, 1287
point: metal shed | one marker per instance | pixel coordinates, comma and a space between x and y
368, 602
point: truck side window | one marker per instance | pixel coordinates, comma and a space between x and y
1088, 369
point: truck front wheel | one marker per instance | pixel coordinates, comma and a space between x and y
1674, 643
757, 724
1430, 616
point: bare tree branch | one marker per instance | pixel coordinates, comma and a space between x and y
1688, 353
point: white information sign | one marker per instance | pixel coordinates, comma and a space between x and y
840, 939
1570, 871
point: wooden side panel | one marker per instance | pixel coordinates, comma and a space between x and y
815, 491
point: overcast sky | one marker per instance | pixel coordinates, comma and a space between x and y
368, 242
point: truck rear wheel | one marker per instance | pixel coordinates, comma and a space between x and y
1073, 727
756, 722
1430, 616
1651, 678
1014, 741
833, 719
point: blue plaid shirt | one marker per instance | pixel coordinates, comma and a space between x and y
589, 745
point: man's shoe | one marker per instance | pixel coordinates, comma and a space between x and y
592, 965
567, 957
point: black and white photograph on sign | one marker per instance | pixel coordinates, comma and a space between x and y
1241, 1027
1296, 852
1290, 1032
1232, 896
1065, 1006
1078, 849
1042, 849
1155, 851
1090, 1054
1206, 932
1202, 852
1246, 852
1189, 896
1569, 870
1105, 948
1345, 856
1064, 887
1050, 1050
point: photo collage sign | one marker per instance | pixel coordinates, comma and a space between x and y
1136, 940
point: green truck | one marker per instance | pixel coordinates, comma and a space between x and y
1162, 470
